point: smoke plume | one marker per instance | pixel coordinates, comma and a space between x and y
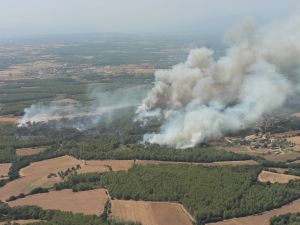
205, 98
66, 113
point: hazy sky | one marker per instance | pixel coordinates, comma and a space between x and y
26, 17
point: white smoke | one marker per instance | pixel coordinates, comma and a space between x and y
84, 116
204, 98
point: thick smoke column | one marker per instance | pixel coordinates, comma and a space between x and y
204, 98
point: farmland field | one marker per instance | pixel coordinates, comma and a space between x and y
264, 218
295, 140
4, 169
86, 202
9, 119
266, 176
151, 213
29, 151
36, 175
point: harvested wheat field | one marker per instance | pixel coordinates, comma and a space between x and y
224, 163
4, 169
266, 176
105, 165
151, 213
29, 151
295, 140
263, 219
20, 221
36, 175
86, 202
9, 119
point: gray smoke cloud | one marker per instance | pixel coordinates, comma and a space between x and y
84, 116
205, 98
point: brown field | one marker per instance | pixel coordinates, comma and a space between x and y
20, 221
263, 219
4, 169
224, 163
151, 213
266, 176
86, 202
295, 140
29, 151
35, 175
9, 119
105, 165
267, 154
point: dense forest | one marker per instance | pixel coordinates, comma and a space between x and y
288, 219
54, 217
209, 193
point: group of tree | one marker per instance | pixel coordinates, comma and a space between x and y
54, 217
209, 193
287, 219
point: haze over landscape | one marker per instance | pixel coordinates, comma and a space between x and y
34, 17
150, 112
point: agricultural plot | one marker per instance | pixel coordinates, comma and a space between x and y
36, 175
45, 173
266, 176
151, 213
264, 218
295, 140
9, 119
29, 151
86, 202
4, 169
